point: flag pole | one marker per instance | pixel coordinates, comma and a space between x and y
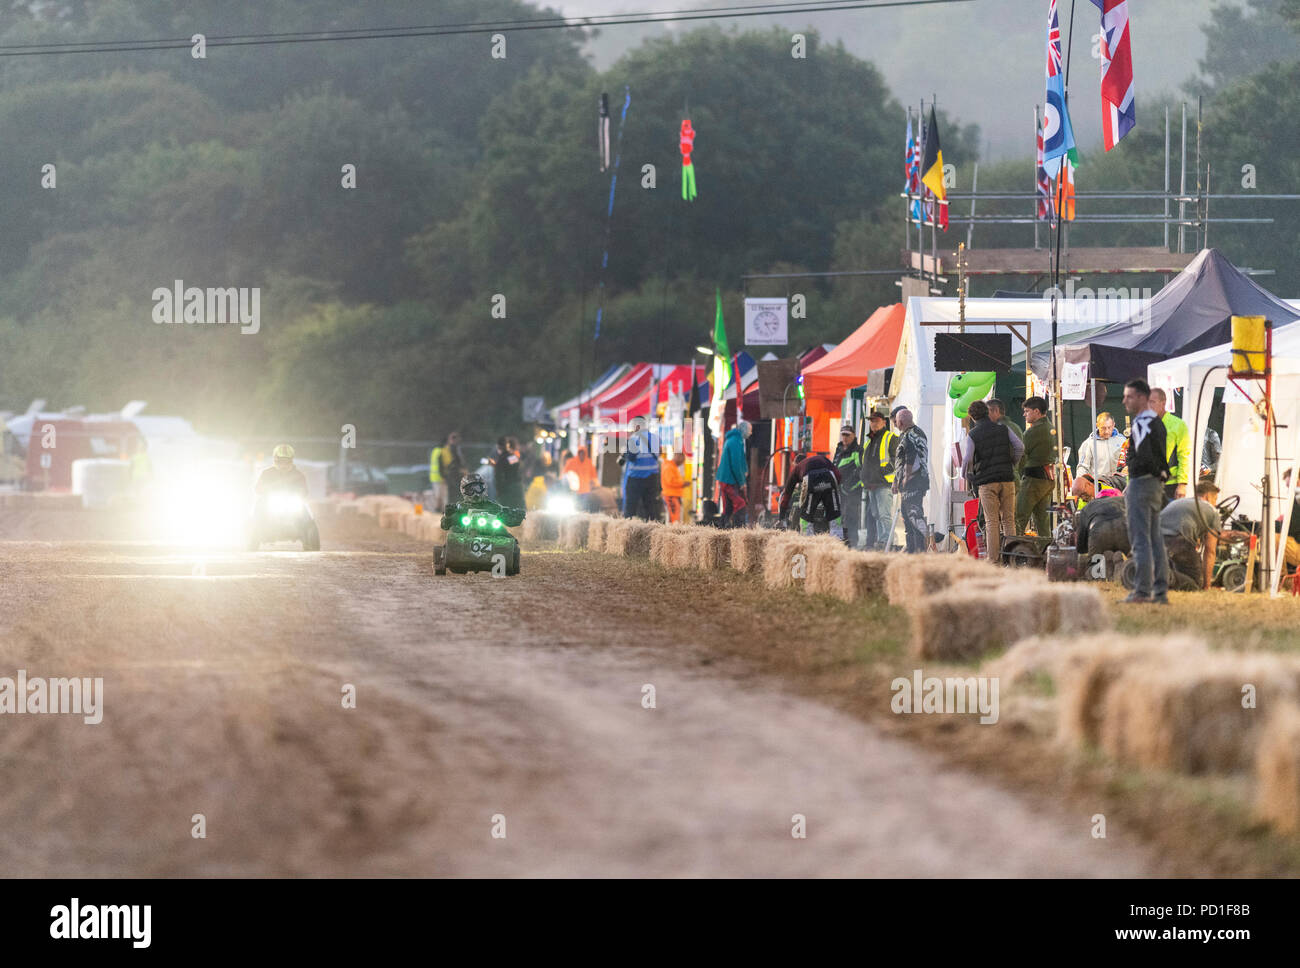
1055, 386
1036, 185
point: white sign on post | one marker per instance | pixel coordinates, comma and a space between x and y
1074, 381
766, 322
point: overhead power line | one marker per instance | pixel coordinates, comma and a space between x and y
442, 30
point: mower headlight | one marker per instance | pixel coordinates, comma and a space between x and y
285, 504
482, 522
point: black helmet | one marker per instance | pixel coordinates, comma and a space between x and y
473, 485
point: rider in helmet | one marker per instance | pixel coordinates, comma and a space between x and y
282, 475
473, 490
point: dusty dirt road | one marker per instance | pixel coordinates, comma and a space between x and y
476, 697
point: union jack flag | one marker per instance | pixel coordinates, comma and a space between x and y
1045, 207
1118, 111
1054, 66
912, 169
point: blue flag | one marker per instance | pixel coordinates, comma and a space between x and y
1058, 135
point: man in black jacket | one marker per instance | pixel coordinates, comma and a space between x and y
1148, 469
989, 468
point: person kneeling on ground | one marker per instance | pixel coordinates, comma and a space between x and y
821, 499
1190, 526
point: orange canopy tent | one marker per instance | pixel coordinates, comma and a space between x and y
872, 346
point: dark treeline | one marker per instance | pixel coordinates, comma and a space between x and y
475, 176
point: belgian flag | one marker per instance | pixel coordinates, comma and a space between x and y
932, 166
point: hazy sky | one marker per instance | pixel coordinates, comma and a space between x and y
984, 59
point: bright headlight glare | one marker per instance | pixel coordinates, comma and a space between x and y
482, 522
285, 504
496, 524
465, 520
559, 504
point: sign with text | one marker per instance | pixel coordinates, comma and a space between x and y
767, 322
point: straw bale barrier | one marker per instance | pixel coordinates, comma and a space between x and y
964, 623
629, 538
860, 574
660, 540
1084, 685
823, 565
540, 526
680, 548
1195, 716
597, 530
747, 546
573, 532
710, 548
1277, 770
779, 553
911, 577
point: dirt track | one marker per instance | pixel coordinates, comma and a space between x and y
475, 697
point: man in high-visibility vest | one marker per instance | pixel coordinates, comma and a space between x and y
878, 455
848, 458
1178, 447
445, 467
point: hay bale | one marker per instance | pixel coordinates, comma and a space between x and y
958, 625
711, 548
680, 549
912, 577
747, 544
391, 517
540, 526
1085, 685
629, 538
823, 566
781, 568
573, 532
598, 532
1065, 658
1277, 769
860, 575
1191, 717
660, 541
349, 508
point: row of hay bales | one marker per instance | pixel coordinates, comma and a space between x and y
961, 608
1171, 703
396, 514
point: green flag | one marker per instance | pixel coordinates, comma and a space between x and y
721, 371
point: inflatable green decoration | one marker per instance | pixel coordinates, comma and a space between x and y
966, 388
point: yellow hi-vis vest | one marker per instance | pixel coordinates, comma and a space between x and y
435, 466
886, 465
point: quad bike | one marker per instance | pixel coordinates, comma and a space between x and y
478, 541
281, 516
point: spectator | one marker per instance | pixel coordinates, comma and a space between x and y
641, 496
733, 471
848, 458
1178, 447
821, 493
1190, 527
912, 479
1148, 469
508, 473
580, 472
674, 485
878, 457
998, 414
446, 468
1099, 454
989, 467
1039, 463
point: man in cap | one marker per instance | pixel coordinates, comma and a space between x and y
879, 453
848, 459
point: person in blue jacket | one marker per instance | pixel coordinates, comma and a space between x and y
733, 470
642, 497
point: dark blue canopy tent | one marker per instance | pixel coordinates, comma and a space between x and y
1193, 312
